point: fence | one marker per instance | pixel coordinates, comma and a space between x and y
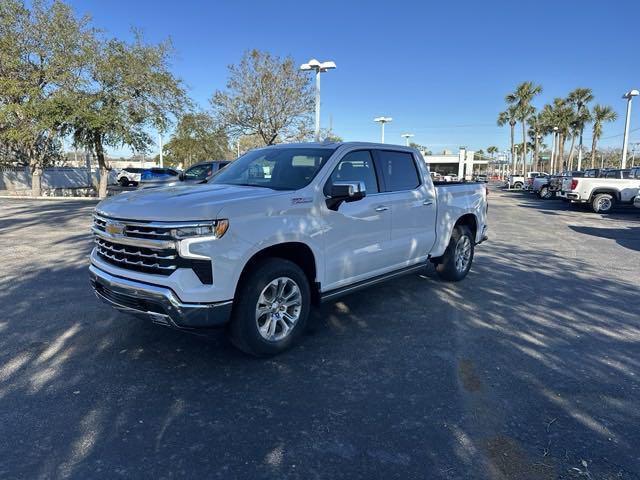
16, 179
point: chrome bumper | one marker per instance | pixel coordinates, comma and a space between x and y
158, 304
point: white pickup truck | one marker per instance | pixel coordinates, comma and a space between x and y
521, 181
603, 193
279, 229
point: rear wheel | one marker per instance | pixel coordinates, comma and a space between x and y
272, 308
602, 203
517, 185
544, 193
124, 182
458, 257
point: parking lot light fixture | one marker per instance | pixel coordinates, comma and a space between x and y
407, 136
318, 67
382, 121
625, 142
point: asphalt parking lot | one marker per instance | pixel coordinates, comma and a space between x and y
527, 369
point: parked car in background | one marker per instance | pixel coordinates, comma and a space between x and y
541, 183
555, 183
253, 251
156, 176
518, 181
129, 176
200, 172
617, 187
481, 177
617, 173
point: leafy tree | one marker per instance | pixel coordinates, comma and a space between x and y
128, 90
43, 53
521, 99
509, 116
536, 130
266, 96
601, 114
559, 114
197, 137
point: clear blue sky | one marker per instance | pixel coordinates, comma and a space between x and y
440, 69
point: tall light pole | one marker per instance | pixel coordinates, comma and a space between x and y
406, 136
318, 67
382, 121
553, 150
629, 96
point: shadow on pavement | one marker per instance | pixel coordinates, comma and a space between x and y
627, 237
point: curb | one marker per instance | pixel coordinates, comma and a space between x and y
28, 197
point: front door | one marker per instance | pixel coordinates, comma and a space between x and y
358, 233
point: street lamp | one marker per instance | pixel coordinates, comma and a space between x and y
382, 121
628, 96
318, 67
406, 136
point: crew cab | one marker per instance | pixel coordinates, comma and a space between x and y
278, 230
617, 187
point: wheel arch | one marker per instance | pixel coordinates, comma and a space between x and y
612, 192
297, 252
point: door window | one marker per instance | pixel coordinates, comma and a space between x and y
398, 169
356, 167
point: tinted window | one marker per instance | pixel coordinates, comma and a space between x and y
354, 167
399, 170
198, 172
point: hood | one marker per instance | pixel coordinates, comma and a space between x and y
179, 203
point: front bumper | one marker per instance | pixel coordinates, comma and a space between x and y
158, 304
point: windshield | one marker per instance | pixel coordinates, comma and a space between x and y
198, 172
275, 168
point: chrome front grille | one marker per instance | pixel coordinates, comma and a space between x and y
146, 259
148, 247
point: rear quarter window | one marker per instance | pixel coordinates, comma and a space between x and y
398, 169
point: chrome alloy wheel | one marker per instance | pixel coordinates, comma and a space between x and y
278, 309
463, 253
604, 204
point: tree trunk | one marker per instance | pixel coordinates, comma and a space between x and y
560, 156
536, 152
35, 167
513, 149
102, 165
570, 161
524, 147
593, 151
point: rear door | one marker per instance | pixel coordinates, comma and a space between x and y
413, 206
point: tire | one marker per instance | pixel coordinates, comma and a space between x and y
544, 193
602, 203
124, 182
249, 330
517, 185
448, 268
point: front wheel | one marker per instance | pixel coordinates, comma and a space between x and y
517, 185
458, 257
602, 203
544, 193
272, 308
124, 182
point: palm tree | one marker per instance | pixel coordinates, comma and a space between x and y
601, 114
536, 129
579, 99
521, 98
509, 116
492, 151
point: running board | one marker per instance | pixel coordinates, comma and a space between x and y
338, 292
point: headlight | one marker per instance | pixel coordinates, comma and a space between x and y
193, 240
216, 230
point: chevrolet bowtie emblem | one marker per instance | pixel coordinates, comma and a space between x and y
114, 228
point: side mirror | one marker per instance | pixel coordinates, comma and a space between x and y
345, 192
181, 177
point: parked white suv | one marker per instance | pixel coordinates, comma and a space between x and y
277, 230
129, 176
